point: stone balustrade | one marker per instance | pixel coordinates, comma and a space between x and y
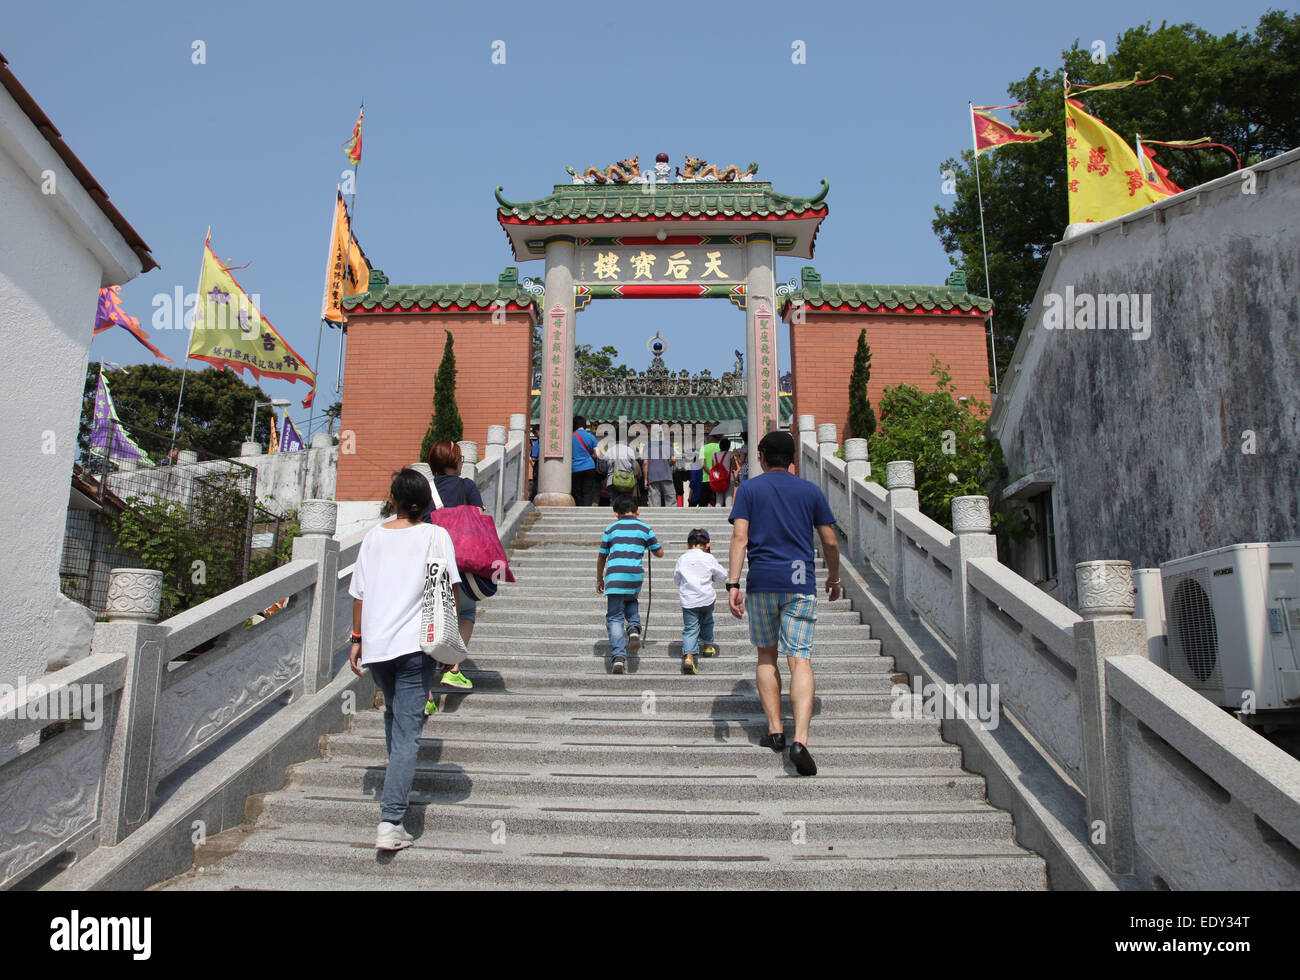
159, 705
1154, 761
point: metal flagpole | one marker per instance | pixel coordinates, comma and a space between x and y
979, 194
176, 419
343, 325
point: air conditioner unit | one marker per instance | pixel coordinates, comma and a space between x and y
1233, 622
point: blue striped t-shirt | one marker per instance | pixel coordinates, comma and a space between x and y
624, 542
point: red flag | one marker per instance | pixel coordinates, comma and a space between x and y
990, 132
352, 148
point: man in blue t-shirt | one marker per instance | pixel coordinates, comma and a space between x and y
773, 520
619, 575
584, 463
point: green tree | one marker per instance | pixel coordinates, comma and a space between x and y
946, 441
1238, 89
587, 358
862, 420
214, 417
446, 424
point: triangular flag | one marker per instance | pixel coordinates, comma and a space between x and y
290, 438
1104, 178
274, 444
108, 437
991, 133
111, 314
229, 330
352, 148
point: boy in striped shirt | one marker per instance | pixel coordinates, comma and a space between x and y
619, 575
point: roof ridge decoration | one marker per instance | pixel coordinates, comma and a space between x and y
386, 297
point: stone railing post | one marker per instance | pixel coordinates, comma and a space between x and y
317, 521
827, 444
900, 481
469, 456
973, 526
807, 437
132, 630
496, 449
1108, 630
857, 468
519, 433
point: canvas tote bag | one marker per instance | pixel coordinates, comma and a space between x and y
439, 632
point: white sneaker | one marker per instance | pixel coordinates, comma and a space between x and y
392, 837
634, 639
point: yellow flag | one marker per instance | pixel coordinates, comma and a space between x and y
230, 331
1104, 178
346, 272
274, 445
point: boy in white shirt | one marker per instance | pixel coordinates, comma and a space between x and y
694, 575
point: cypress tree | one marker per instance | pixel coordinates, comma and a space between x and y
446, 424
862, 420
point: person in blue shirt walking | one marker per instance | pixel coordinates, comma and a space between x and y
584, 464
619, 575
773, 520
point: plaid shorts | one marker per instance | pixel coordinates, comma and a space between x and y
784, 620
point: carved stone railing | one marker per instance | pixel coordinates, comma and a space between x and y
1176, 791
159, 704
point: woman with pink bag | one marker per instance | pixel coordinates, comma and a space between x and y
453, 490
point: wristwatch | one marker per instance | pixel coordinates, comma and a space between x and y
732, 585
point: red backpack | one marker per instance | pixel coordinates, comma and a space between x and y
720, 475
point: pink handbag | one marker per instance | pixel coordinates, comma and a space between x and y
474, 536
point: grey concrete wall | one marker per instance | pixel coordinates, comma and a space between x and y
281, 477
1146, 437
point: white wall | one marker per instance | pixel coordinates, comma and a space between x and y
51, 267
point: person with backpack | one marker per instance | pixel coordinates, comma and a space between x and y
720, 473
624, 474
387, 589
707, 452
454, 490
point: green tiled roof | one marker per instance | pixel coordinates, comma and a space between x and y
462, 295
721, 199
952, 296
639, 408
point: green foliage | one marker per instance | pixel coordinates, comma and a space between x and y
946, 441
862, 420
1237, 89
271, 560
446, 424
214, 417
586, 358
200, 551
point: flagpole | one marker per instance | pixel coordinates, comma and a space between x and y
979, 194
343, 324
176, 419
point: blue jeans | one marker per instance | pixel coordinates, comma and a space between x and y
621, 607
697, 626
406, 682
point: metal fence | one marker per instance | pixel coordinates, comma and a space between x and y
196, 519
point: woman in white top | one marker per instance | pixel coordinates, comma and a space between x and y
387, 588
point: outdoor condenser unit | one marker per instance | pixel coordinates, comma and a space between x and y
1232, 617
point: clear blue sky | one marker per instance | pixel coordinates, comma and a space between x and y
250, 142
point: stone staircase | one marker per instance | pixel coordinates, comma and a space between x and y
554, 773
